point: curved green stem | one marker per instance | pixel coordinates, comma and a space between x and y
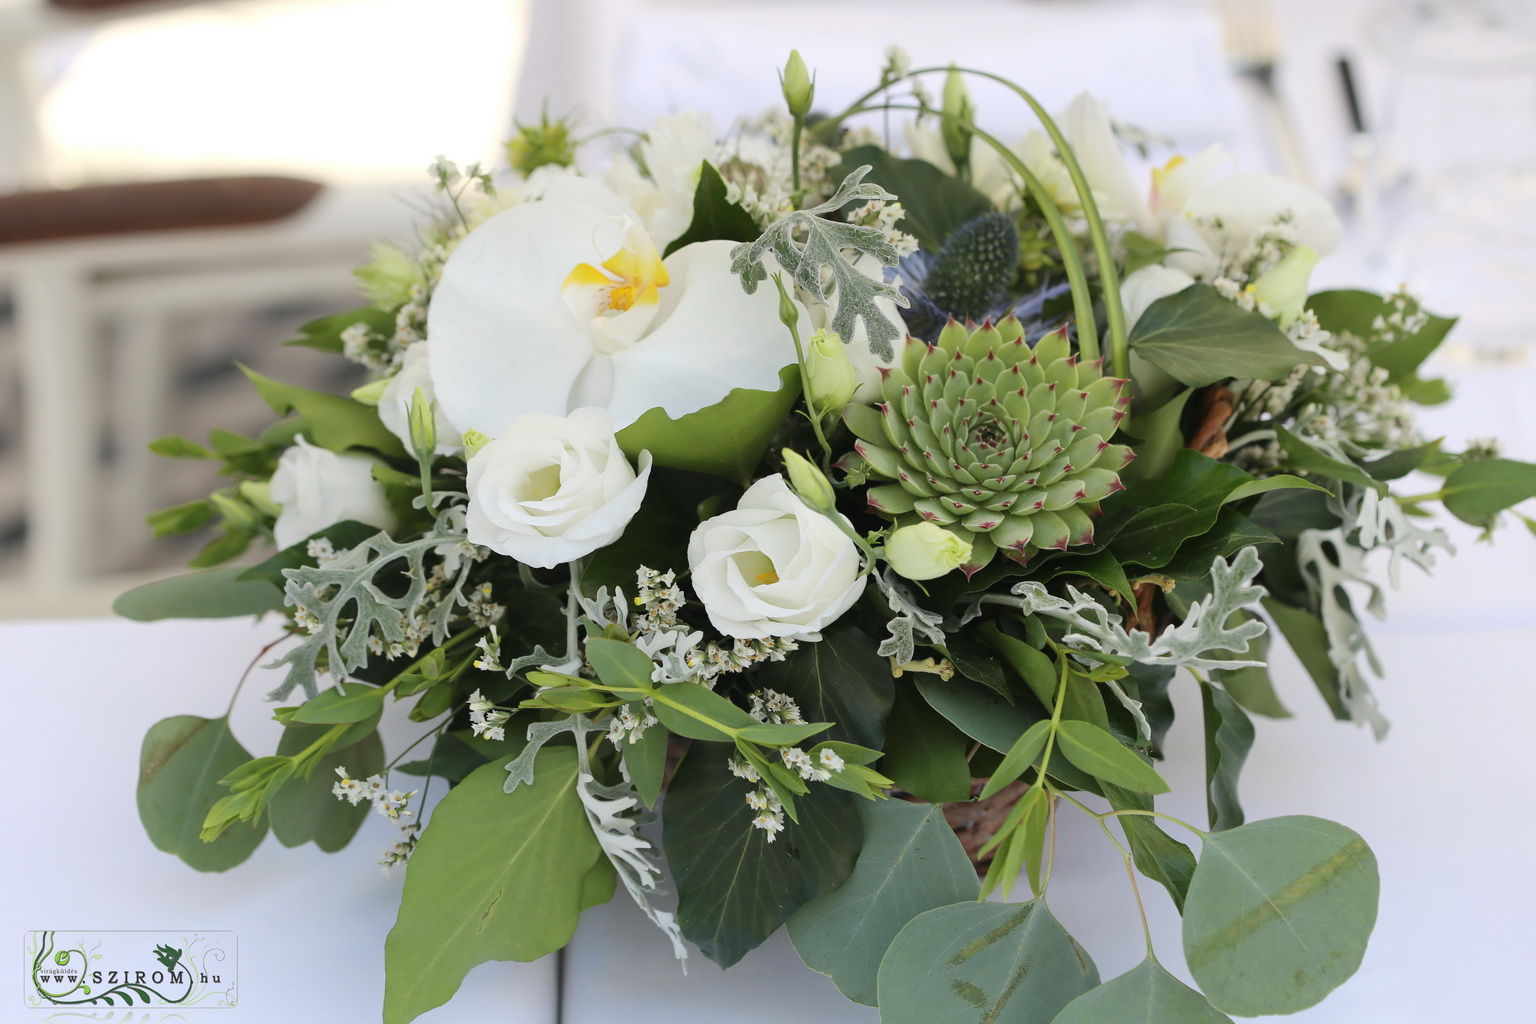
1071, 259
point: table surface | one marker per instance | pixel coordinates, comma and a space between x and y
1452, 942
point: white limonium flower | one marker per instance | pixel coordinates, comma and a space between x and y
773, 566
564, 303
395, 402
551, 489
316, 488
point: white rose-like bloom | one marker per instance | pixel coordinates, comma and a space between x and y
316, 488
551, 489
773, 566
395, 402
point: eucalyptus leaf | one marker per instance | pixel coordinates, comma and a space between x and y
345, 703
305, 810
325, 334
1018, 758
734, 887
180, 765
911, 862
1157, 855
970, 963
1279, 913
1146, 994
1199, 338
215, 594
495, 876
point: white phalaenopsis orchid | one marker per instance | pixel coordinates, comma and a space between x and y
565, 303
1209, 222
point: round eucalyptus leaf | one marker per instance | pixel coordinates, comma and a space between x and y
1146, 994
969, 963
1278, 913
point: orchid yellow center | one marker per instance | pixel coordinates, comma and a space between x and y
628, 282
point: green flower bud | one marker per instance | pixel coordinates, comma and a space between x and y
1283, 288
798, 86
830, 379
958, 108
372, 392
538, 145
259, 494
810, 483
473, 441
925, 551
423, 426
789, 313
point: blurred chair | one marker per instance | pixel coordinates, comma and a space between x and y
129, 257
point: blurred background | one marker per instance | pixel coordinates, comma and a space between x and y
182, 184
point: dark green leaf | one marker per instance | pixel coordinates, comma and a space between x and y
646, 759
1400, 463
1278, 482
1104, 757
727, 439
1199, 338
935, 203
495, 876
180, 765
1279, 913
734, 888
1158, 855
1033, 666
713, 216
1158, 437
1230, 533
1252, 687
305, 810
1019, 757
231, 543
333, 422
1355, 312
218, 594
1228, 738
911, 862
1301, 455
971, 963
1478, 491
925, 755
1182, 503
1305, 634
840, 680
976, 662
1146, 994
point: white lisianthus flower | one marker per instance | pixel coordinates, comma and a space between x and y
316, 488
564, 303
773, 566
551, 489
395, 402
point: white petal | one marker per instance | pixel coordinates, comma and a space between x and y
1246, 203
1093, 142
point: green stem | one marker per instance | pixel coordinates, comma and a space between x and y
794, 155
252, 666
805, 374
1071, 260
1061, 702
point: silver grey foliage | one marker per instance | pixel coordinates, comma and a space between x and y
823, 245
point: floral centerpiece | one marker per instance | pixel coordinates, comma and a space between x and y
854, 509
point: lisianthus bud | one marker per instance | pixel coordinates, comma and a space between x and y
809, 482
423, 426
789, 313
958, 108
236, 512
542, 144
925, 551
473, 442
798, 87
1283, 288
830, 378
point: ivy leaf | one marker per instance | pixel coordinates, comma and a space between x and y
1278, 914
331, 421
1198, 338
1146, 994
734, 888
823, 245
495, 876
983, 962
910, 862
180, 765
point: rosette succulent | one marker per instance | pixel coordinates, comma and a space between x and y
1002, 443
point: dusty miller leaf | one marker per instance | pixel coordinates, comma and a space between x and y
910, 619
344, 588
823, 246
